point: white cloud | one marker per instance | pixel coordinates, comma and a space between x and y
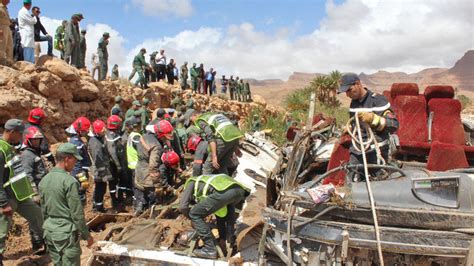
358, 36
165, 8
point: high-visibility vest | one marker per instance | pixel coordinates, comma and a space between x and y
17, 179
221, 125
219, 182
132, 154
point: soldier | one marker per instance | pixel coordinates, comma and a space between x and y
194, 78
190, 101
103, 55
16, 196
135, 107
223, 138
247, 91
145, 113
72, 39
240, 90
83, 46
35, 118
153, 66
100, 167
184, 76
139, 64
218, 194
115, 73
64, 217
6, 43
149, 181
224, 83
232, 87
117, 108
118, 160
59, 38
201, 78
78, 130
177, 101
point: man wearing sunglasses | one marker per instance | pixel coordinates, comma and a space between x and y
374, 110
39, 28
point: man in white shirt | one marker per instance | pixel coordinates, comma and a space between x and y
95, 64
26, 23
161, 64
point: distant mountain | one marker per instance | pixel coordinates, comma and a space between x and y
460, 76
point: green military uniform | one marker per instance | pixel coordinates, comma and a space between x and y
6, 40
176, 102
59, 40
17, 194
83, 46
216, 194
72, 40
239, 90
194, 78
145, 114
64, 223
115, 73
232, 85
184, 76
193, 130
103, 56
246, 92
139, 64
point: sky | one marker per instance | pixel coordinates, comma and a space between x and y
266, 39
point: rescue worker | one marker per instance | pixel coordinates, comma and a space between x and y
223, 138
35, 118
16, 196
117, 108
145, 113
150, 183
139, 65
64, 223
6, 43
78, 130
31, 158
374, 110
198, 147
218, 194
194, 78
184, 76
83, 46
232, 86
168, 170
103, 55
101, 167
59, 39
72, 38
118, 161
135, 107
132, 154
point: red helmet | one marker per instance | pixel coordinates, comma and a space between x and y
32, 133
36, 115
193, 142
98, 127
170, 158
82, 125
163, 128
114, 122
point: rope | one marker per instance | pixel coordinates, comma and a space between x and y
356, 143
369, 189
288, 233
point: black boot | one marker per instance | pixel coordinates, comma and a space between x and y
98, 208
37, 243
208, 251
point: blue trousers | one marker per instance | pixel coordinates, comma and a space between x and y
29, 54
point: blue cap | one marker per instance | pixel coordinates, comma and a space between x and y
347, 80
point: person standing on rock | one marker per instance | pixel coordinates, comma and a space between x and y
100, 166
184, 76
115, 73
6, 40
65, 223
72, 39
232, 87
153, 67
139, 65
223, 138
26, 22
39, 28
35, 119
95, 66
194, 78
83, 46
103, 55
161, 65
59, 39
16, 196
79, 130
224, 83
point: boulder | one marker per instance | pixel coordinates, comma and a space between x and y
85, 92
62, 69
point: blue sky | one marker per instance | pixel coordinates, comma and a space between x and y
272, 39
128, 17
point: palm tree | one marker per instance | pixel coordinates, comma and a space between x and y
334, 77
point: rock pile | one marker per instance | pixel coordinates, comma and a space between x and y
65, 93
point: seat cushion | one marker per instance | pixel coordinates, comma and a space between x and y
445, 156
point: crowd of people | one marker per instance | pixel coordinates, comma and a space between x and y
138, 155
27, 33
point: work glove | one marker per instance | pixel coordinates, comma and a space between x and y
375, 121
